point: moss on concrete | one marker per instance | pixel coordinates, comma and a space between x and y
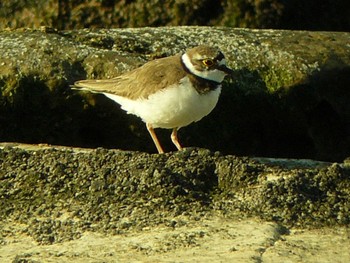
57, 194
287, 98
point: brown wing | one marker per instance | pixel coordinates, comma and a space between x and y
141, 82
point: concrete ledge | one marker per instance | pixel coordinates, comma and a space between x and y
289, 96
181, 203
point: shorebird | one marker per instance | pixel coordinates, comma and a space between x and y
169, 92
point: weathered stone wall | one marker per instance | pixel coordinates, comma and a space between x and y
288, 98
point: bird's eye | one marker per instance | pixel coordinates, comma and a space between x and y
208, 62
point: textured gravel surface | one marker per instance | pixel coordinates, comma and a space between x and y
82, 205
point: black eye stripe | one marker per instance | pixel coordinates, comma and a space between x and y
214, 60
219, 57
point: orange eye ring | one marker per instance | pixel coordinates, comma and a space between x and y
208, 62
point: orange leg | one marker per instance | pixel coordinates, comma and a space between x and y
175, 139
154, 138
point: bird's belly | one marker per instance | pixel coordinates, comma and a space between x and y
176, 106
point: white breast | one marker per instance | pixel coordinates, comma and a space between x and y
176, 106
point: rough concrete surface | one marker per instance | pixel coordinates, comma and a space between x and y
81, 205
289, 96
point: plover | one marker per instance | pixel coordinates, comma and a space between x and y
169, 92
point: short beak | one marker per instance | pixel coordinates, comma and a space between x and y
225, 69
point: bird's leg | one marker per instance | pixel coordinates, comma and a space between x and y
154, 138
175, 140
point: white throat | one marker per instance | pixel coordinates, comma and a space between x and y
214, 75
